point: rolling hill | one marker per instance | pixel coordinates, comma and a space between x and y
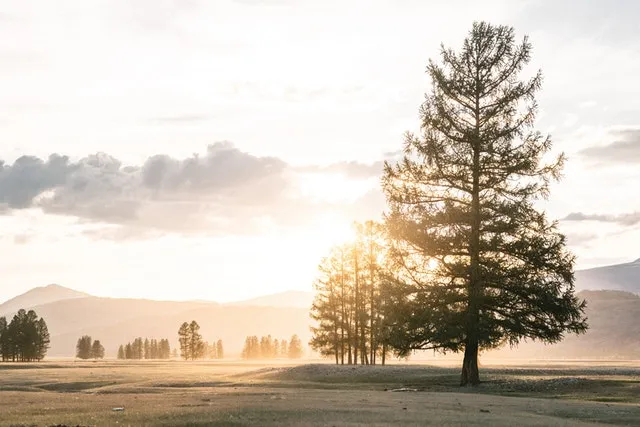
38, 296
299, 299
619, 277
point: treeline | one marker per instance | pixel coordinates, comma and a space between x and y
25, 338
147, 349
268, 348
193, 346
350, 300
86, 348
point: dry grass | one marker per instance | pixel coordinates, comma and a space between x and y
236, 393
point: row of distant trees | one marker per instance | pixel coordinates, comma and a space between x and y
87, 348
25, 338
268, 348
147, 349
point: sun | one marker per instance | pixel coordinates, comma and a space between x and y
331, 229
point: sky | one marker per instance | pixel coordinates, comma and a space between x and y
185, 149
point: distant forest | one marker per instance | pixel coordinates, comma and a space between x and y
147, 349
25, 338
268, 348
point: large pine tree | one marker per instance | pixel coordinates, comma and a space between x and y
478, 265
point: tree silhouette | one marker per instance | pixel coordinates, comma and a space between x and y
219, 350
196, 343
295, 348
5, 347
184, 341
97, 350
83, 347
121, 354
477, 265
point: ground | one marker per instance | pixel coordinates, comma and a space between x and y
235, 393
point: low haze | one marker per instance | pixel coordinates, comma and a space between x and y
192, 150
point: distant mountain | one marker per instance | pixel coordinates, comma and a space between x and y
620, 277
39, 296
299, 299
614, 331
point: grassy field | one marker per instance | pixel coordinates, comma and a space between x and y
236, 393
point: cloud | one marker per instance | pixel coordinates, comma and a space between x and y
628, 219
223, 191
29, 177
624, 149
580, 239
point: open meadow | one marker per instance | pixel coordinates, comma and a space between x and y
237, 393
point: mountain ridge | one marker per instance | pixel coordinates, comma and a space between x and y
38, 296
617, 277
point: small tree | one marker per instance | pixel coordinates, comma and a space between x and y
83, 347
197, 344
97, 350
295, 348
165, 349
121, 354
185, 342
4, 339
219, 350
266, 347
43, 339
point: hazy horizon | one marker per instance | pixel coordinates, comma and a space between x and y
291, 107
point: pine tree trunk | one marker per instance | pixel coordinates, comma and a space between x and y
356, 336
470, 374
372, 310
363, 341
344, 317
